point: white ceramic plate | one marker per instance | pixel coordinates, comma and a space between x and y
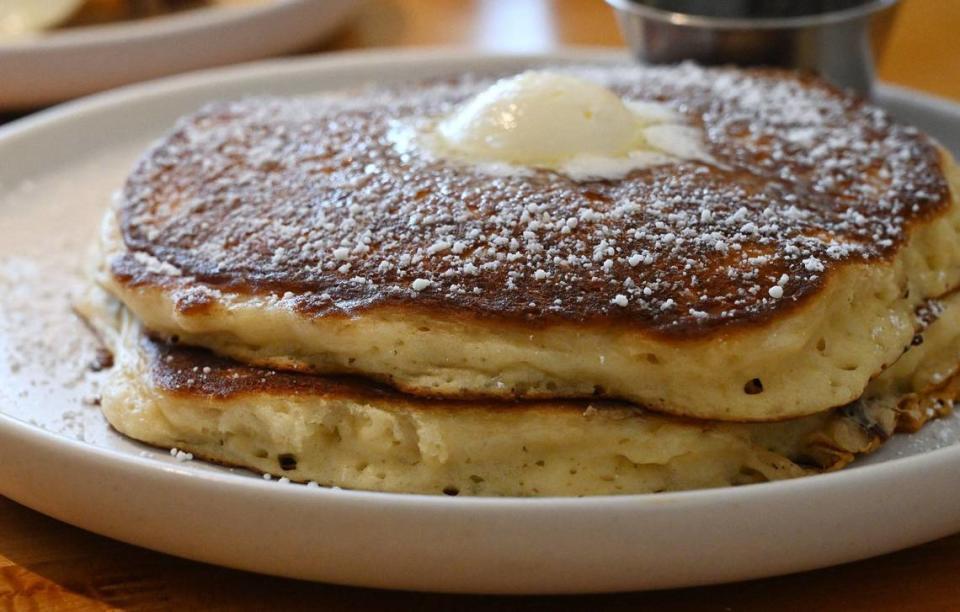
63, 64
57, 171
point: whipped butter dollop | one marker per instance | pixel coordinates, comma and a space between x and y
541, 118
562, 122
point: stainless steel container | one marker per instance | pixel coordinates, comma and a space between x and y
835, 44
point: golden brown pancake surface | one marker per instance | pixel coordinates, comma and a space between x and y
311, 197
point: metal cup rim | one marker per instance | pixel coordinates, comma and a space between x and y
745, 23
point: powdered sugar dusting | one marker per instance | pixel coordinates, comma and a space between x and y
310, 196
49, 221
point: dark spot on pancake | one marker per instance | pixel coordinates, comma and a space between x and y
753, 387
451, 491
193, 302
806, 461
102, 360
593, 196
872, 428
750, 475
287, 462
917, 340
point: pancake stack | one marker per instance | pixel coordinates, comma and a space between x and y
290, 288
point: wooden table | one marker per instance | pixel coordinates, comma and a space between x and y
46, 564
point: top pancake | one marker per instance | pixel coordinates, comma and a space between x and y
308, 204
311, 196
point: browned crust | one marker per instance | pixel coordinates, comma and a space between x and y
194, 372
189, 372
166, 177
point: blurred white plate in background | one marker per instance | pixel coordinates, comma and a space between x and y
65, 63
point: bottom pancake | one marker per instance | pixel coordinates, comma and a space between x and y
356, 434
